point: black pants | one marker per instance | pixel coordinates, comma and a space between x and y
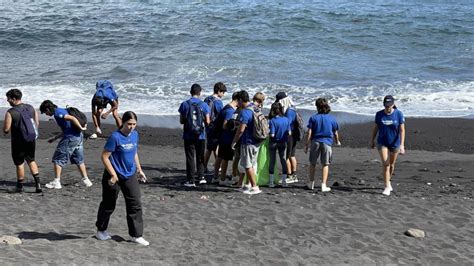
281, 148
190, 147
131, 193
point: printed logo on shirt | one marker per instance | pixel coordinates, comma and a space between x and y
388, 122
127, 146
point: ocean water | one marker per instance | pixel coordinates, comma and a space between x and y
422, 52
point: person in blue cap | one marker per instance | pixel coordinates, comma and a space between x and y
103, 96
389, 129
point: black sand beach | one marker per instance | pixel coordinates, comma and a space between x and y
353, 224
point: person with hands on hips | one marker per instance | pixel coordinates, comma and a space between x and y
122, 172
389, 129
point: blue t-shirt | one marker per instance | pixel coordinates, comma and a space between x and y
291, 115
123, 149
323, 127
246, 117
66, 126
279, 129
389, 128
227, 135
183, 111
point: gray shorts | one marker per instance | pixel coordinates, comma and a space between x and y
248, 156
320, 149
392, 150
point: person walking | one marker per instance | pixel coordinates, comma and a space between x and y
280, 130
122, 172
389, 129
21, 120
70, 147
322, 131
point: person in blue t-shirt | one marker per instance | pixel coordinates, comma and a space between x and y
224, 130
215, 106
290, 112
322, 131
194, 134
390, 129
280, 130
122, 172
70, 147
104, 95
248, 144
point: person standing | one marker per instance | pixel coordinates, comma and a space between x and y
280, 130
21, 120
104, 95
215, 106
122, 172
194, 116
389, 129
290, 112
224, 130
249, 145
70, 147
322, 130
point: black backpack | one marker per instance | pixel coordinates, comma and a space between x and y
210, 102
28, 128
79, 116
195, 118
298, 131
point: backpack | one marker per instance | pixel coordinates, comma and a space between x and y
210, 102
261, 130
79, 116
28, 128
194, 118
298, 131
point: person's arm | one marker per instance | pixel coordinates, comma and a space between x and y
208, 119
141, 174
74, 121
336, 138
95, 115
375, 129
113, 107
7, 123
37, 122
238, 134
108, 167
402, 138
308, 140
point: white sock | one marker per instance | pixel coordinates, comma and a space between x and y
272, 178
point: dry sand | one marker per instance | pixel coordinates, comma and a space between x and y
353, 224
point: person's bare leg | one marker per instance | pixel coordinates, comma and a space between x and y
57, 171
312, 172
324, 174
216, 168
223, 164
118, 120
20, 172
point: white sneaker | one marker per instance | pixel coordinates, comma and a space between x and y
324, 188
55, 184
189, 184
93, 136
202, 181
102, 235
87, 182
253, 191
386, 191
310, 185
98, 131
390, 186
141, 241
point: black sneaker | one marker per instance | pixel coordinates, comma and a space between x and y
189, 184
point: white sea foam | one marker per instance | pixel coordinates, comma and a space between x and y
414, 98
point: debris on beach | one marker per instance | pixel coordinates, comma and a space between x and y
417, 233
10, 240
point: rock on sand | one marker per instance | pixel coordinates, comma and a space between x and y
10, 240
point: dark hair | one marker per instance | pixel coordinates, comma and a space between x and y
47, 105
14, 94
244, 96
195, 89
99, 101
219, 87
276, 109
235, 96
323, 106
127, 116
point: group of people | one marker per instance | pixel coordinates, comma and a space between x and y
232, 132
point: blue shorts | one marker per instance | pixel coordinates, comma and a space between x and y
69, 148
